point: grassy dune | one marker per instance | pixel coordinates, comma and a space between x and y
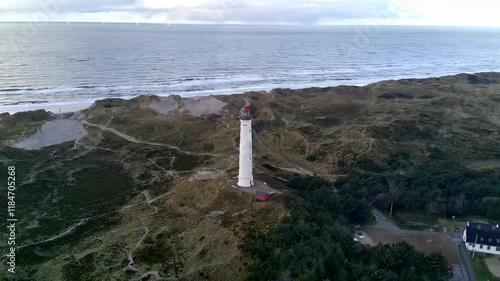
104, 191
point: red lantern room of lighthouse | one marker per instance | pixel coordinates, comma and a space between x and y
246, 110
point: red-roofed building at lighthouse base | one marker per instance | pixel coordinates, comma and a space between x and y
262, 196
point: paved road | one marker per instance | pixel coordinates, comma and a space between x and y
383, 223
465, 258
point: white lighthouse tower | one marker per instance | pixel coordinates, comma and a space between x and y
245, 177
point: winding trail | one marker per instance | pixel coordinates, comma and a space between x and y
149, 202
83, 221
62, 234
146, 193
130, 257
131, 252
134, 140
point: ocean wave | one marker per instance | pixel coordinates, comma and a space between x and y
56, 107
26, 102
78, 60
10, 90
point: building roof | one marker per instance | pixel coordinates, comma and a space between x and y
480, 225
261, 193
487, 234
245, 114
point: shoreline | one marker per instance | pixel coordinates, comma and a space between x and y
78, 105
64, 107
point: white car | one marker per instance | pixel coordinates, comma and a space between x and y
360, 235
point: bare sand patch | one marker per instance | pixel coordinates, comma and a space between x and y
493, 264
203, 105
166, 105
196, 106
53, 133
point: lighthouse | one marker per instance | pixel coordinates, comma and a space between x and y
245, 177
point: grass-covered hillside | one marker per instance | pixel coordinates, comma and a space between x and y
138, 189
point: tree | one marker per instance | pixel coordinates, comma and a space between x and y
437, 267
409, 275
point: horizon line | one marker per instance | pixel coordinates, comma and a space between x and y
250, 24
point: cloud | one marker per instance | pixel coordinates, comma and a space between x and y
261, 11
245, 11
64, 5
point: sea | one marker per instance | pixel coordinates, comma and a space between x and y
67, 66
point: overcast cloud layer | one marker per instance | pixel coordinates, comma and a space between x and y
416, 12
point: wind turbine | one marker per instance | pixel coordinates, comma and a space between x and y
167, 21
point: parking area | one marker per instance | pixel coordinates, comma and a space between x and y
363, 238
426, 242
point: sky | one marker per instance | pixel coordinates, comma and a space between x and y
308, 12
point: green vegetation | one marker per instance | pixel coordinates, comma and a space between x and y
154, 251
414, 220
36, 254
428, 145
55, 189
314, 243
14, 126
81, 269
440, 192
